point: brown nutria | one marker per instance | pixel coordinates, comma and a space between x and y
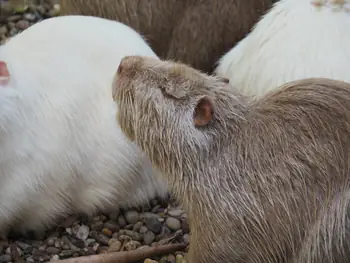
195, 32
261, 180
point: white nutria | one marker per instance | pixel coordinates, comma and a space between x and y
60, 148
296, 39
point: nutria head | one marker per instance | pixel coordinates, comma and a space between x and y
171, 109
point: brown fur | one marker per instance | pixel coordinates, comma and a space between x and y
196, 32
263, 181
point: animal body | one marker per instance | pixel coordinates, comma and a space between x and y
61, 150
296, 39
196, 32
267, 179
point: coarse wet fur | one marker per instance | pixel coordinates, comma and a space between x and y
196, 32
261, 180
294, 40
61, 150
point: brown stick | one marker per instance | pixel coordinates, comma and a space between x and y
126, 256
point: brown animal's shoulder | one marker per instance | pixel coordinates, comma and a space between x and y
319, 94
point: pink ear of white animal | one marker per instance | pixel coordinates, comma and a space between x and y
4, 74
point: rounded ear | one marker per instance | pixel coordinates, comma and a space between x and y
4, 73
203, 112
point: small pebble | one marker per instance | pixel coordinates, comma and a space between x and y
95, 247
29, 17
51, 241
132, 245
176, 212
82, 232
137, 226
111, 225
121, 221
55, 10
13, 32
40, 255
149, 237
153, 224
30, 260
173, 223
102, 239
14, 18
115, 246
55, 258
186, 238
124, 238
66, 253
107, 232
132, 216
143, 230
53, 250
161, 219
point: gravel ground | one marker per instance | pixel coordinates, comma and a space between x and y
156, 223
11, 22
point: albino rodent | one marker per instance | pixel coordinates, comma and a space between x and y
195, 32
60, 148
294, 40
261, 181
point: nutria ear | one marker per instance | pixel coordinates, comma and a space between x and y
203, 112
4, 73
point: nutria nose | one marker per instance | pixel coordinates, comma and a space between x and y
125, 62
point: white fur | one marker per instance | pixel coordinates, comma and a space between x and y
61, 149
294, 40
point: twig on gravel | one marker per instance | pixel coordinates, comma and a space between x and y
127, 256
